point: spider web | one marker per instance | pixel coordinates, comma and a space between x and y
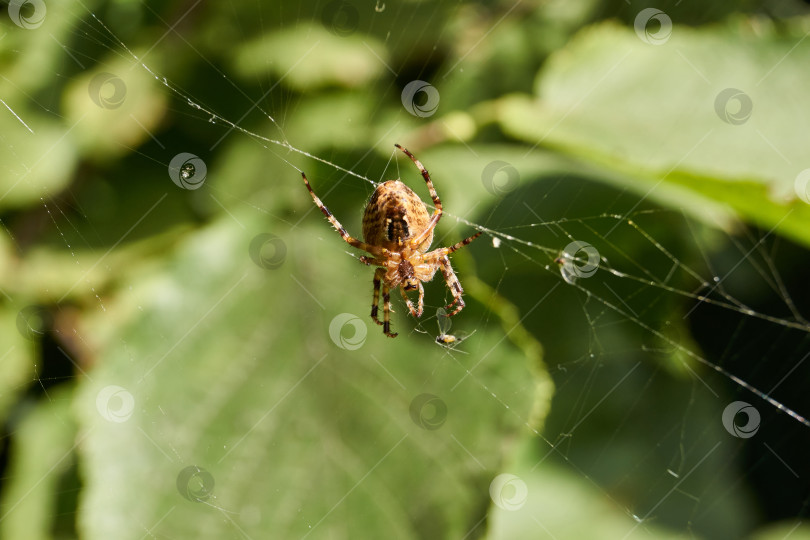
544, 265
705, 290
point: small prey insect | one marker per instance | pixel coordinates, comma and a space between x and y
445, 338
397, 232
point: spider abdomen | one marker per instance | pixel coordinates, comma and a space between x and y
393, 215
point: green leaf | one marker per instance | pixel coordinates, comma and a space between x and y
242, 400
33, 164
543, 494
309, 56
783, 529
554, 505
42, 451
651, 113
16, 363
114, 109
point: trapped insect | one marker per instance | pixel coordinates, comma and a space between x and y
445, 338
397, 232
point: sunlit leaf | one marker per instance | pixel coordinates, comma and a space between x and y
608, 98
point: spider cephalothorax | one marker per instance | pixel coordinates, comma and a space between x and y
398, 231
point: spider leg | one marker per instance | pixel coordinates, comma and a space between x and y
439, 256
375, 300
453, 284
374, 250
455, 247
371, 261
387, 312
420, 304
437, 203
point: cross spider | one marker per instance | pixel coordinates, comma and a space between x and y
398, 231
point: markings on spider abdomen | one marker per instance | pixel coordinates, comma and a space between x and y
397, 229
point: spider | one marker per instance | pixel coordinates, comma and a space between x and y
398, 231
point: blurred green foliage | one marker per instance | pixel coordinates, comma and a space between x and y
133, 288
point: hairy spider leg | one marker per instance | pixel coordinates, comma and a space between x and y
420, 304
437, 203
440, 256
387, 312
375, 300
371, 261
454, 285
457, 246
374, 250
